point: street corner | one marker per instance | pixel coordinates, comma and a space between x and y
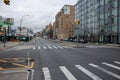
16, 63
66, 44
2, 49
13, 75
75, 46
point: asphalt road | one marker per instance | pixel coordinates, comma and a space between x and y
56, 62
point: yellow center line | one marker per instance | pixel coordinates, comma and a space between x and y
32, 64
1, 68
3, 60
21, 65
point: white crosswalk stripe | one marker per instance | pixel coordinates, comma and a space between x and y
33, 48
49, 47
106, 71
67, 73
39, 48
90, 74
46, 73
65, 46
60, 47
55, 47
116, 62
110, 65
44, 47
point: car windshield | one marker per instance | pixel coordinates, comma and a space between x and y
59, 39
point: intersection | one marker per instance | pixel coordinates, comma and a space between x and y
54, 61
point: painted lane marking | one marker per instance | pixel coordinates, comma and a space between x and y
65, 46
110, 65
106, 71
46, 73
32, 74
49, 47
44, 47
55, 47
116, 62
39, 47
60, 47
67, 73
33, 48
90, 74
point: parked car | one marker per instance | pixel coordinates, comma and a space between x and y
25, 38
75, 40
82, 41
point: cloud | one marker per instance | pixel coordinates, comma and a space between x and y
41, 12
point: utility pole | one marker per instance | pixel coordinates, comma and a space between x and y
21, 20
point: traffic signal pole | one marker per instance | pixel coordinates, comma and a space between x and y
77, 22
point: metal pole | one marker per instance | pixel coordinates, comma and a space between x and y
28, 55
77, 38
118, 25
4, 37
21, 24
77, 22
20, 29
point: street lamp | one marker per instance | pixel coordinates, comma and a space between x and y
21, 20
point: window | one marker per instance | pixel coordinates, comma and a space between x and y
112, 19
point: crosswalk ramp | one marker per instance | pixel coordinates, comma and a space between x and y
50, 47
92, 75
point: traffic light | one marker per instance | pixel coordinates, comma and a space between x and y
7, 2
77, 22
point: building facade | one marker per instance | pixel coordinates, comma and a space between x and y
56, 25
5, 27
24, 31
65, 21
49, 31
99, 20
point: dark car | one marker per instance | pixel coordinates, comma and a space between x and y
83, 41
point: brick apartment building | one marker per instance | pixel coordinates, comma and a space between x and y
49, 31
64, 22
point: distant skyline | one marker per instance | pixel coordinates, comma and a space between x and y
41, 12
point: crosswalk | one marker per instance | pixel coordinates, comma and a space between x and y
91, 74
50, 47
23, 47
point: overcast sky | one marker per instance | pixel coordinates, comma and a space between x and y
41, 12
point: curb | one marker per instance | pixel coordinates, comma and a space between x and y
3, 49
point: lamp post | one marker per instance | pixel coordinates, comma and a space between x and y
21, 20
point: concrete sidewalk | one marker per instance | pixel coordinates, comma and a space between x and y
14, 75
87, 45
8, 45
